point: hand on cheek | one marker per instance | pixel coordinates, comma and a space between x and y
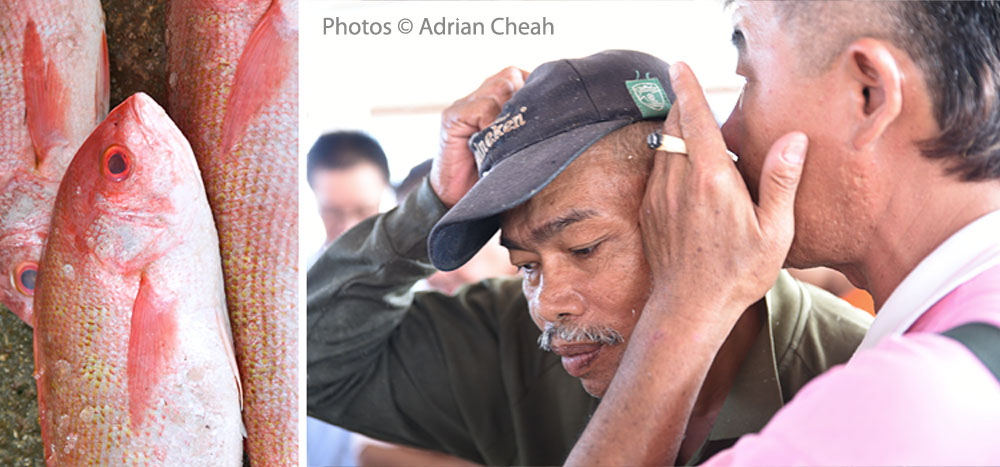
707, 243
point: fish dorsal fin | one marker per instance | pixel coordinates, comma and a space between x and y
44, 97
264, 64
152, 341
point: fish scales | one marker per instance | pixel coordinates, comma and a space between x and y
133, 351
53, 92
236, 99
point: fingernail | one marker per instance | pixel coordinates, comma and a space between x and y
675, 71
795, 150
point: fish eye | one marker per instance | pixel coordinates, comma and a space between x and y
24, 277
116, 164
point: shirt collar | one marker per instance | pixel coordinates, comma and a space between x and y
756, 392
968, 252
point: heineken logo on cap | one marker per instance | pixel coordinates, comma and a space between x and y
490, 135
648, 96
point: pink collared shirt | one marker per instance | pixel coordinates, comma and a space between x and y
911, 396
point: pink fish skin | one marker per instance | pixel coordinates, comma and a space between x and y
233, 90
53, 92
133, 353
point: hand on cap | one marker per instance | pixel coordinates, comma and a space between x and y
702, 232
453, 171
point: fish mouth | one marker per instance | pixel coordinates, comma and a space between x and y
578, 357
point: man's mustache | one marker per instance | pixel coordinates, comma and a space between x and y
572, 333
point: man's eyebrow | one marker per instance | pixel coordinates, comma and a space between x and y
550, 228
510, 244
546, 231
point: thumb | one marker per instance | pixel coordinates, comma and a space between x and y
779, 180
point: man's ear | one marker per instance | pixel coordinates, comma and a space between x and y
877, 77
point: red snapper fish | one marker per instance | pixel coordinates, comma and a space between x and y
233, 90
133, 353
53, 92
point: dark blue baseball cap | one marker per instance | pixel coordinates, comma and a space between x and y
564, 107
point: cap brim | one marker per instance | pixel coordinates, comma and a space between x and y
475, 218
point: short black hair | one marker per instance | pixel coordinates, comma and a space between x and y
957, 47
345, 149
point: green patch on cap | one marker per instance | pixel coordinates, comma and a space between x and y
648, 96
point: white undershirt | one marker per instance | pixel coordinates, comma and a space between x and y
967, 253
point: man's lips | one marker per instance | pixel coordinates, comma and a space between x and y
576, 358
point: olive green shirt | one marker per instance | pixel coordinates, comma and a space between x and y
463, 374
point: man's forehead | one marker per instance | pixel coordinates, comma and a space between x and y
742, 13
734, 8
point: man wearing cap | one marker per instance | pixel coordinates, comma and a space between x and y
560, 169
898, 106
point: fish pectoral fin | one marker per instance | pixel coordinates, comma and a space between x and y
226, 334
266, 61
45, 97
103, 92
151, 343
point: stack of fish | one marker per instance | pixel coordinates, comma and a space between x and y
135, 361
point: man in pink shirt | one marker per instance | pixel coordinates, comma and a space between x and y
869, 132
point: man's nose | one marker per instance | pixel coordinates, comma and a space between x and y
557, 297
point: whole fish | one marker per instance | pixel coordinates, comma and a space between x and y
233, 90
133, 352
53, 92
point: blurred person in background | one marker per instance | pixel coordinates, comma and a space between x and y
348, 173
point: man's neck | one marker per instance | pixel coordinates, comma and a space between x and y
720, 378
919, 218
